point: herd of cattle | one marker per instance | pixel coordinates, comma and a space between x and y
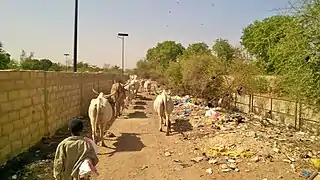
104, 109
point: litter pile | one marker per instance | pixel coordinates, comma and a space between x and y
186, 108
232, 138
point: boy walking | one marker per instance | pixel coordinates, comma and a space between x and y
71, 152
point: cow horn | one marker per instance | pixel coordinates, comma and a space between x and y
94, 90
107, 96
127, 83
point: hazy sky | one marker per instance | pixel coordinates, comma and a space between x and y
46, 26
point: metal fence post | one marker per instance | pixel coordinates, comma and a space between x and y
271, 107
300, 116
296, 115
252, 105
235, 100
250, 96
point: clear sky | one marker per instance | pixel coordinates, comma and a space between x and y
46, 26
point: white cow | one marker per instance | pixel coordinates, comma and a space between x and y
129, 92
132, 87
163, 105
136, 85
147, 86
101, 114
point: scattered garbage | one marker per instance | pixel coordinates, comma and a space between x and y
167, 154
144, 167
316, 162
306, 173
213, 161
197, 159
238, 137
219, 151
209, 171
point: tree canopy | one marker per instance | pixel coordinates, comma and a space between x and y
261, 37
4, 58
197, 49
223, 49
163, 53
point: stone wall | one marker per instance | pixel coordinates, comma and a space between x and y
294, 114
34, 104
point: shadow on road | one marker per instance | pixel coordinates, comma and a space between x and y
139, 107
137, 114
127, 142
181, 125
141, 103
145, 98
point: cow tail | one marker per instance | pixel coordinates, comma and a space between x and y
97, 116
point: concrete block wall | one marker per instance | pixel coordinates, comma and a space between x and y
34, 104
294, 114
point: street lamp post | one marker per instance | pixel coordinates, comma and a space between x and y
75, 38
66, 55
121, 36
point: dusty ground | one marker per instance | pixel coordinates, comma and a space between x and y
139, 152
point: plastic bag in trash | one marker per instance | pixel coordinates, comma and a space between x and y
212, 113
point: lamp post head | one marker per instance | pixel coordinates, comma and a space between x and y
123, 34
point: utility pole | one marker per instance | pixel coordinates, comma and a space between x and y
75, 38
121, 36
66, 55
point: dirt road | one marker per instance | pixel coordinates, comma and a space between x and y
139, 150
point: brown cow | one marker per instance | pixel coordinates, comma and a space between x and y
118, 97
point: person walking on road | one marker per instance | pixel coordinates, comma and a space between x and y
72, 152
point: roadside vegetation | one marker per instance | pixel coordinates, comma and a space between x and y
279, 55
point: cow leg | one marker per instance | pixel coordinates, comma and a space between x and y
117, 109
168, 124
101, 137
160, 122
168, 127
93, 132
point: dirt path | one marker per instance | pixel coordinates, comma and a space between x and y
139, 150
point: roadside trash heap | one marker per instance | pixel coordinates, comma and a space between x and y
282, 144
186, 108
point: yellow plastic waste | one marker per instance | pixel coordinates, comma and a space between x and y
316, 162
207, 120
218, 151
234, 123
